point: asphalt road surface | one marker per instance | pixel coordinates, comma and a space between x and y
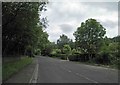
51, 70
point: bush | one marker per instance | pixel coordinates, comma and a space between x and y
102, 58
55, 52
74, 57
37, 51
58, 51
66, 49
74, 51
78, 57
62, 56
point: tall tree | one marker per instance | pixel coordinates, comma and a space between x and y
21, 26
63, 40
71, 44
89, 36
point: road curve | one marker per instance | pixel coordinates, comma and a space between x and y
53, 70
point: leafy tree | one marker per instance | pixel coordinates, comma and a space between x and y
113, 47
37, 52
73, 51
116, 39
107, 41
21, 26
72, 44
89, 36
58, 51
67, 50
62, 41
55, 52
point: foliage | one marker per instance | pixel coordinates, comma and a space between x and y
48, 48
109, 52
62, 56
66, 49
74, 57
37, 52
58, 51
74, 51
89, 36
55, 52
22, 27
63, 40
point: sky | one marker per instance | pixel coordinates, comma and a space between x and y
65, 17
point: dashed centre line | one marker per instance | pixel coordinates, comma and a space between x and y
78, 74
86, 77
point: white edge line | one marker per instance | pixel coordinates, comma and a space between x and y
32, 76
35, 74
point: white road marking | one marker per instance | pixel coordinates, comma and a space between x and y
86, 77
80, 75
35, 75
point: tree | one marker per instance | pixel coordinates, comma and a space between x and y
71, 43
67, 50
48, 48
62, 41
89, 36
21, 26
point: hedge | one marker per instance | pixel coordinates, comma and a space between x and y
103, 58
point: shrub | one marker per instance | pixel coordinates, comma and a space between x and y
58, 51
74, 57
79, 57
62, 56
37, 51
102, 58
66, 49
74, 51
55, 52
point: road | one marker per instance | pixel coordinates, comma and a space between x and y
51, 70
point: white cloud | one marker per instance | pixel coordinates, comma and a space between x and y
112, 32
67, 28
84, 0
64, 18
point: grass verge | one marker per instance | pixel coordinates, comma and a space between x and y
10, 68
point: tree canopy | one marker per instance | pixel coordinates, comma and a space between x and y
89, 36
63, 40
22, 27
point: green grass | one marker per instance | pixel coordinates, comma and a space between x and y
13, 67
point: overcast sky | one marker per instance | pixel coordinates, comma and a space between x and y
65, 17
